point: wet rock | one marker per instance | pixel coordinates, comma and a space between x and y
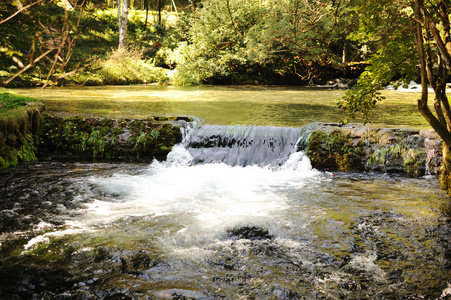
360, 148
249, 233
118, 296
283, 293
105, 138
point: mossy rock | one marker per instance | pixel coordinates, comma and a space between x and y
18, 134
108, 138
335, 151
362, 148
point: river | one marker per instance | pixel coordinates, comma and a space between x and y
226, 105
235, 212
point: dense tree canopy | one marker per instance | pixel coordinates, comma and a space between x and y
215, 41
229, 38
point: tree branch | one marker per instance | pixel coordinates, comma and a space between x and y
29, 65
20, 10
436, 34
441, 130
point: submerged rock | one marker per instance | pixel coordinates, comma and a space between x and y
249, 233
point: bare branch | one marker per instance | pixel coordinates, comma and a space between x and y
20, 10
31, 64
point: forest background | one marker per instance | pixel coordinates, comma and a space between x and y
206, 42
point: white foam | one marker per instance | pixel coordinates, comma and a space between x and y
367, 263
73, 228
209, 192
446, 292
410, 87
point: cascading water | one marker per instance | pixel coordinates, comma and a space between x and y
235, 212
243, 145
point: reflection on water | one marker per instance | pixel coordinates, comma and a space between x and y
228, 105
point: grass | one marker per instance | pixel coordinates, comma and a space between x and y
10, 101
119, 67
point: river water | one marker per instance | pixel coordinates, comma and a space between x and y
235, 212
226, 105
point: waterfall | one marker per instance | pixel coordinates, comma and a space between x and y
242, 145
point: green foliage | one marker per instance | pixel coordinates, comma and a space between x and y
393, 56
26, 36
125, 66
230, 38
93, 60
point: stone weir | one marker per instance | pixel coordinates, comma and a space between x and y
363, 148
107, 138
31, 133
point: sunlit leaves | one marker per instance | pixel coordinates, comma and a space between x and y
233, 33
387, 28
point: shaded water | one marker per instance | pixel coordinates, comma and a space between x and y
226, 105
217, 223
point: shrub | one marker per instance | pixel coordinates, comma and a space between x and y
125, 66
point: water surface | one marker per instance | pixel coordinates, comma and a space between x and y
227, 105
222, 227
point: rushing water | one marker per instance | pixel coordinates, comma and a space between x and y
217, 220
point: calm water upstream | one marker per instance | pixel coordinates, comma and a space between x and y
235, 212
228, 105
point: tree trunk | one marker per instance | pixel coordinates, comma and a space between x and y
146, 4
425, 28
123, 21
445, 172
160, 6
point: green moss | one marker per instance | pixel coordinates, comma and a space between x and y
18, 135
11, 101
108, 138
414, 161
334, 151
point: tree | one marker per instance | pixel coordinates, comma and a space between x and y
159, 5
122, 15
407, 34
279, 38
